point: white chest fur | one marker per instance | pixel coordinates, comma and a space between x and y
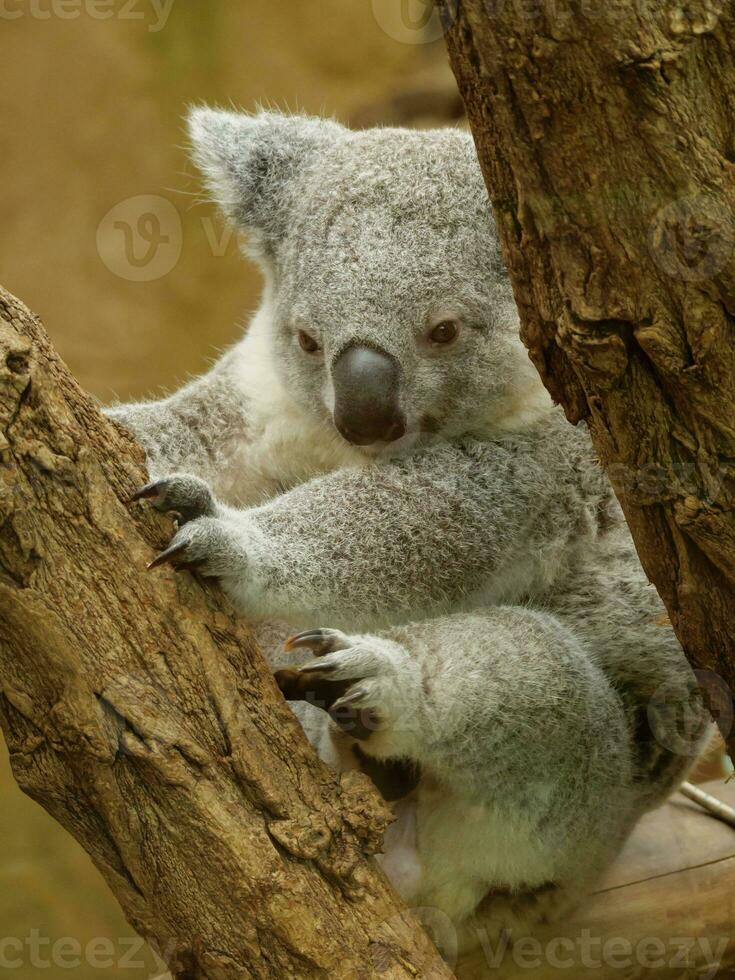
285, 446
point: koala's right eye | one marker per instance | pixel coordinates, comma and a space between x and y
308, 343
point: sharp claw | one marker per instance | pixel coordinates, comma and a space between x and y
318, 641
318, 668
169, 555
353, 698
149, 490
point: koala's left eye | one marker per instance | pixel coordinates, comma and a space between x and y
444, 332
308, 343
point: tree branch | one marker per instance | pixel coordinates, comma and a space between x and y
606, 136
139, 714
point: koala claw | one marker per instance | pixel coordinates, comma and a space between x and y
170, 556
148, 491
356, 696
319, 641
187, 496
318, 668
208, 545
355, 678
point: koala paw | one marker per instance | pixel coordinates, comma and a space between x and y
208, 545
365, 682
186, 496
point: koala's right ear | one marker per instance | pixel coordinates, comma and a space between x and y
250, 161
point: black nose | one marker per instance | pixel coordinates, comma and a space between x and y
366, 396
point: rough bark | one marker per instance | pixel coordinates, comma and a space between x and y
606, 133
139, 714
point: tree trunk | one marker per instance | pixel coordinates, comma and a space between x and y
606, 133
140, 715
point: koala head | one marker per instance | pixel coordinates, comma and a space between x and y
390, 311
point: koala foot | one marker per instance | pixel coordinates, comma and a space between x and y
186, 496
204, 541
367, 684
209, 545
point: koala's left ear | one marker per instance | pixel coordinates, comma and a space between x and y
250, 162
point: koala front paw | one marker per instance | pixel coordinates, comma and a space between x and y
208, 545
187, 496
367, 683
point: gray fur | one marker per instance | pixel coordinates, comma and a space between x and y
496, 621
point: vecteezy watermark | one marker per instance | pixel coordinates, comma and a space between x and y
576, 952
68, 953
141, 238
414, 21
679, 719
648, 483
589, 952
155, 12
692, 238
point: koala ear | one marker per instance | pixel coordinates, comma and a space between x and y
250, 162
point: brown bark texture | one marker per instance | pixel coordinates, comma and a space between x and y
606, 133
138, 712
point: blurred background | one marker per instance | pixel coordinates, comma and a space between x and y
106, 235
105, 232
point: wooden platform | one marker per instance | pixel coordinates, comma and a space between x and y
665, 909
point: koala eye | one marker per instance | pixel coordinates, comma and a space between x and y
444, 332
308, 343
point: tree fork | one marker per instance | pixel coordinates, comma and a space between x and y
138, 712
606, 134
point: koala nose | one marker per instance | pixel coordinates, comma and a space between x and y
366, 388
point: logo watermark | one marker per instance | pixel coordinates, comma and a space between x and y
68, 953
679, 720
576, 951
414, 21
155, 13
693, 238
589, 952
141, 238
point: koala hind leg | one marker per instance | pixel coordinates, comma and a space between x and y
519, 738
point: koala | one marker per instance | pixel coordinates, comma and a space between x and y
444, 581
